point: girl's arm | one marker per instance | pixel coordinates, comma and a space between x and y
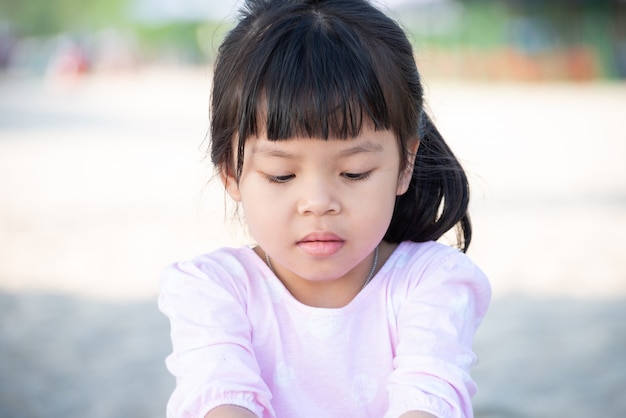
212, 356
232, 411
436, 326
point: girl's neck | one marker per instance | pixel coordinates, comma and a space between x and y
332, 294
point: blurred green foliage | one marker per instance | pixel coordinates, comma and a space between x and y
50, 17
190, 41
532, 27
485, 24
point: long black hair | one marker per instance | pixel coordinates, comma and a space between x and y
321, 69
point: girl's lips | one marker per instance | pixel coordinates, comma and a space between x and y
320, 244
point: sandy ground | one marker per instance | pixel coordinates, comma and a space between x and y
103, 182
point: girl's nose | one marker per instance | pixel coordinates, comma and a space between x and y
317, 198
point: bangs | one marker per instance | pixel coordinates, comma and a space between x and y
316, 80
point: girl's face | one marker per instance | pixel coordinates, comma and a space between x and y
319, 208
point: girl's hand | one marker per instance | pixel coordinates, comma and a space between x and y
417, 414
230, 411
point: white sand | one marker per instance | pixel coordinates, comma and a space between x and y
102, 183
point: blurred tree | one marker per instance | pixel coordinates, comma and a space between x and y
49, 17
583, 38
169, 38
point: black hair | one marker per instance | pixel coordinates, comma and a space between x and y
321, 69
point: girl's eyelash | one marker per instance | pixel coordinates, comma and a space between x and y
357, 176
280, 179
346, 175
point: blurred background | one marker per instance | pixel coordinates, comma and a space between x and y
577, 40
104, 181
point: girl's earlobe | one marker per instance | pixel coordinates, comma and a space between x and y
407, 174
230, 184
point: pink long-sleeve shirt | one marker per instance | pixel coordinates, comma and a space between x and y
403, 343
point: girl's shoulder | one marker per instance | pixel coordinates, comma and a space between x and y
432, 264
226, 268
414, 255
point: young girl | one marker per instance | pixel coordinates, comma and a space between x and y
346, 306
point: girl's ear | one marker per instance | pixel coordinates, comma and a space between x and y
407, 174
230, 183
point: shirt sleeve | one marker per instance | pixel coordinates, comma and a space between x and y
436, 326
212, 358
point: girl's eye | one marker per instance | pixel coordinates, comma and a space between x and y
280, 179
356, 176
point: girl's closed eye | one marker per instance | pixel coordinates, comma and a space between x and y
356, 176
279, 179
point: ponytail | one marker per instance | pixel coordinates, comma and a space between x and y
438, 195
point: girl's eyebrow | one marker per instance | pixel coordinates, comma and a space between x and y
364, 147
269, 151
